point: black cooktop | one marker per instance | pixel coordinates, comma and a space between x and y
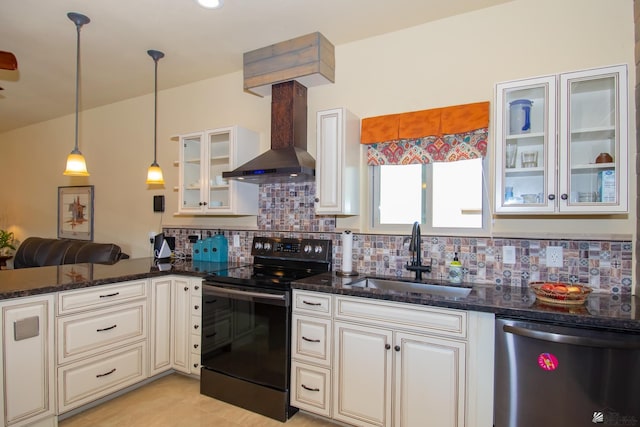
279, 261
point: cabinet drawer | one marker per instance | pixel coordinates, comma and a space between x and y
195, 364
410, 317
196, 305
312, 302
310, 338
90, 379
196, 325
196, 287
83, 334
310, 388
195, 344
101, 296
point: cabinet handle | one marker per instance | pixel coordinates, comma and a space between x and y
196, 307
196, 326
311, 303
211, 335
317, 200
309, 339
564, 196
110, 295
309, 388
106, 373
106, 329
197, 287
396, 348
204, 203
212, 301
186, 288
195, 365
387, 346
551, 197
195, 345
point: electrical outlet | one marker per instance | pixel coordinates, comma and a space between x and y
554, 256
152, 235
509, 254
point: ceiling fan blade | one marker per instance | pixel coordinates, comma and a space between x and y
8, 61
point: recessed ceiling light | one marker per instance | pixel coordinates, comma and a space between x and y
210, 4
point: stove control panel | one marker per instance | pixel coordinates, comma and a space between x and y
286, 248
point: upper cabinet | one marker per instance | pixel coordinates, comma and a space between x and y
203, 158
561, 143
337, 163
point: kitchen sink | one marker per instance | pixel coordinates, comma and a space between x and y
412, 287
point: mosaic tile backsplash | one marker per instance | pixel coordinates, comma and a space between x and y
287, 211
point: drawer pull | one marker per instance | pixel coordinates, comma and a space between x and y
309, 339
106, 329
197, 287
196, 326
110, 295
309, 388
106, 373
212, 301
311, 303
196, 346
195, 365
186, 288
211, 335
196, 307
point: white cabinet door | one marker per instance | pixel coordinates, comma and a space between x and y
562, 143
337, 162
28, 359
180, 323
593, 140
362, 375
160, 339
429, 381
204, 156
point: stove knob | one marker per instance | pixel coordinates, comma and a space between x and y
318, 249
258, 245
307, 249
267, 246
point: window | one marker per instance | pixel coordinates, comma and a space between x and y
444, 196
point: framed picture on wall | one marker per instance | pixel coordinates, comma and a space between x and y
75, 212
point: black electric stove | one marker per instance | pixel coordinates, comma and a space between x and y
246, 324
279, 261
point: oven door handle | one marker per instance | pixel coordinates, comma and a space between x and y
228, 291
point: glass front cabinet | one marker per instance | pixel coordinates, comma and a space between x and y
203, 158
561, 143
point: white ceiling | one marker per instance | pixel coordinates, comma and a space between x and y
198, 43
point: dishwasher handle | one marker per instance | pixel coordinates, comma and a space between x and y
572, 339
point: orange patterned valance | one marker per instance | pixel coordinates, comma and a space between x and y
419, 124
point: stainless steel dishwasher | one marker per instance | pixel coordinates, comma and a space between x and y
550, 375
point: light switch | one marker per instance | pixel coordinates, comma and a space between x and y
509, 254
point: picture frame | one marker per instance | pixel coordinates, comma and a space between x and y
75, 212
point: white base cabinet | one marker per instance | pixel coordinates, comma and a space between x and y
27, 395
102, 339
377, 363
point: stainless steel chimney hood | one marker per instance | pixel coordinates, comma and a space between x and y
288, 159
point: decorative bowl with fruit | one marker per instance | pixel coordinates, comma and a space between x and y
559, 293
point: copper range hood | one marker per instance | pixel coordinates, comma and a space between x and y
288, 159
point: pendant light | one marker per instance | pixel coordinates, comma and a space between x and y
154, 174
76, 165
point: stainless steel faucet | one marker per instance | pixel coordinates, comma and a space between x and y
415, 247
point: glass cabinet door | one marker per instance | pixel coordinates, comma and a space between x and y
593, 146
191, 172
219, 149
525, 138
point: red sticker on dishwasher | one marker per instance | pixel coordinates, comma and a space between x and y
547, 361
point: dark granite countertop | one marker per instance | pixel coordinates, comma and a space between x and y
611, 311
40, 280
608, 311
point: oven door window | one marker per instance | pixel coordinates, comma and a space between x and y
245, 334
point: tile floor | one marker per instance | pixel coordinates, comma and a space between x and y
175, 401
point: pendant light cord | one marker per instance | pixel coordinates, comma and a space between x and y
155, 113
78, 26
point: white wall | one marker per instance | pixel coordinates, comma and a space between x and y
448, 62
